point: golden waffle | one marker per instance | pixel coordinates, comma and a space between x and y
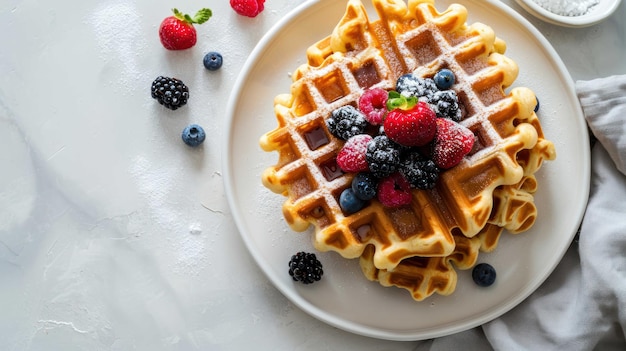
424, 276
513, 210
361, 54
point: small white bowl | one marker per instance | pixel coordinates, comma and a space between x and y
596, 14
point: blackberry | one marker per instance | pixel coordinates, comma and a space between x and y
422, 173
170, 92
346, 122
305, 267
383, 156
412, 85
445, 103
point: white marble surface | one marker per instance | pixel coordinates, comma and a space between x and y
114, 235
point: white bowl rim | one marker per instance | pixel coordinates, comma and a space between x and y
598, 13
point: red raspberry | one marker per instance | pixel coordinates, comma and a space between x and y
248, 8
351, 158
373, 103
414, 127
452, 142
394, 191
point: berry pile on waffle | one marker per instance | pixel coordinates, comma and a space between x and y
399, 144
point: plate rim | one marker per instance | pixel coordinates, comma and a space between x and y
325, 316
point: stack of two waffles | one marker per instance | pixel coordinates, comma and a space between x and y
417, 246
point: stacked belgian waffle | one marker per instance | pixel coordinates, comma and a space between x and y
416, 246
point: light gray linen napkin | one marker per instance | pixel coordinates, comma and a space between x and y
582, 305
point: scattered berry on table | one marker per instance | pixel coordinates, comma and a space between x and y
394, 191
248, 8
364, 186
351, 157
304, 267
537, 105
452, 142
177, 32
346, 122
170, 92
212, 61
414, 127
412, 85
349, 202
444, 79
193, 135
446, 104
382, 156
484, 274
419, 171
373, 103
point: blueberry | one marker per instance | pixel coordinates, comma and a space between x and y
537, 105
444, 79
349, 202
193, 135
364, 186
212, 61
484, 274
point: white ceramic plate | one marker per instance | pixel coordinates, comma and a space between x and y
344, 298
596, 14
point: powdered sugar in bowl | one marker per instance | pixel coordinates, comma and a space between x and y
570, 13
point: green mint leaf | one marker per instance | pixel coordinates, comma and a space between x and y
411, 102
202, 16
396, 100
178, 14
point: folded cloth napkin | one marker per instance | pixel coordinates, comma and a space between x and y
582, 305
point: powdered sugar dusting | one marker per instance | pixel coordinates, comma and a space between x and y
571, 8
116, 29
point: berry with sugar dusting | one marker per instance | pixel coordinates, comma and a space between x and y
412, 85
373, 103
394, 191
351, 157
304, 267
421, 172
248, 8
413, 127
383, 156
452, 142
446, 104
346, 122
170, 92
